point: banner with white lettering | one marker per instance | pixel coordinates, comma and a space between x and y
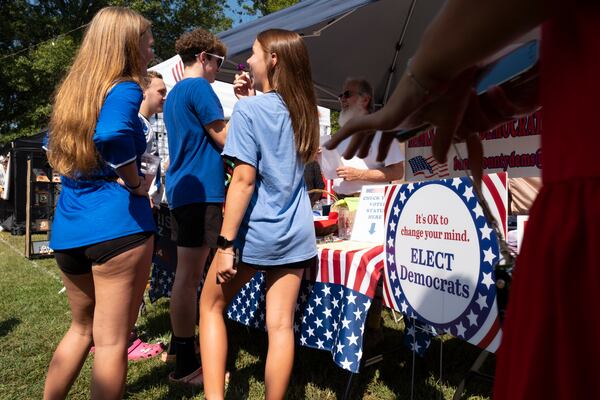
441, 253
513, 148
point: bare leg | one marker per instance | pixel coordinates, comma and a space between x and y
213, 333
190, 265
73, 349
120, 284
282, 294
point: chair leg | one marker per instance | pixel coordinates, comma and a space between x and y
473, 371
348, 386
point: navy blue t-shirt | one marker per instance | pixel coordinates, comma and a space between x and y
195, 173
96, 208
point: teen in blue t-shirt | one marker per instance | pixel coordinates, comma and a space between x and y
194, 184
277, 227
97, 200
268, 216
103, 225
195, 173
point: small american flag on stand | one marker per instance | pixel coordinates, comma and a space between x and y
428, 167
417, 336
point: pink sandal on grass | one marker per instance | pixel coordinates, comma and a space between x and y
140, 350
195, 379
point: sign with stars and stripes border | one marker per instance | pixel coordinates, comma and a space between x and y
440, 254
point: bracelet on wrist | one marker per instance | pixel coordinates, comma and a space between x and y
133, 187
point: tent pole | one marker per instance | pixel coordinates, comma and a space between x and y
399, 45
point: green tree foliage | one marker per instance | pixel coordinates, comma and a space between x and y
38, 39
170, 18
30, 64
264, 7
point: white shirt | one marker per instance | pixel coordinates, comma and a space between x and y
148, 133
394, 156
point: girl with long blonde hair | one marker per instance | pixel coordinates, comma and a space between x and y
103, 224
268, 218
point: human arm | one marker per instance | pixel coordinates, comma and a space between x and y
464, 33
376, 175
239, 194
117, 131
217, 130
129, 178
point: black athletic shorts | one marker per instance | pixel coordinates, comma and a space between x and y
79, 260
197, 224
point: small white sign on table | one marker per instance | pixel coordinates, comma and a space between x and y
369, 222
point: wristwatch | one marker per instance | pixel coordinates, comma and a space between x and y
224, 243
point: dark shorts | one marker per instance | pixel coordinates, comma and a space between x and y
79, 260
197, 224
295, 265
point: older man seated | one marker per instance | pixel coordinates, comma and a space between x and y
357, 99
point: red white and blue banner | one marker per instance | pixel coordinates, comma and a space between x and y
513, 148
440, 256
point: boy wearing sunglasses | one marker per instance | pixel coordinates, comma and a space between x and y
195, 186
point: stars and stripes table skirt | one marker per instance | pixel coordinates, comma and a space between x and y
333, 302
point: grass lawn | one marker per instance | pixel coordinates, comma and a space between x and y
34, 316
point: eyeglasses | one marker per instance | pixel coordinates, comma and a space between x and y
347, 94
220, 59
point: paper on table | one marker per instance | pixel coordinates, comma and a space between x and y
329, 160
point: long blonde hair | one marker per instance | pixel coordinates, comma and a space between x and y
291, 77
109, 54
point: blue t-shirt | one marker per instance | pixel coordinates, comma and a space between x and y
278, 225
96, 208
195, 173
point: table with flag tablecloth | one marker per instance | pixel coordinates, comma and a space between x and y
333, 302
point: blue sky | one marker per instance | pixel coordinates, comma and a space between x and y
236, 18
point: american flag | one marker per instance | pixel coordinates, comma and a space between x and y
177, 71
428, 167
164, 259
479, 322
417, 336
161, 281
332, 305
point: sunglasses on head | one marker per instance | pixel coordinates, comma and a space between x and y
347, 94
220, 59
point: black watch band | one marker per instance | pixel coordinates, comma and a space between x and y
224, 243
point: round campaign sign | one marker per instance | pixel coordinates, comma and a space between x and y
440, 254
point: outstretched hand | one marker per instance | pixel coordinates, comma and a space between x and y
457, 113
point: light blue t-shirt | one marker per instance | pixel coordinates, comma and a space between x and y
278, 225
195, 173
96, 208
